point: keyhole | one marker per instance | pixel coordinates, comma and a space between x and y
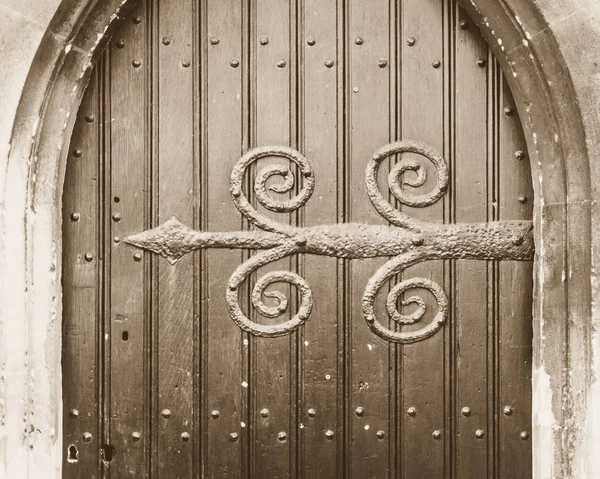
73, 455
125, 336
108, 452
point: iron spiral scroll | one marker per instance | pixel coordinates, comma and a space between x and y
406, 240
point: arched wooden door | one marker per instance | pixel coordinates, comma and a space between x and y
159, 380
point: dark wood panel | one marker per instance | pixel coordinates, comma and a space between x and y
515, 332
472, 193
423, 93
272, 362
127, 442
169, 384
370, 101
173, 191
226, 381
82, 253
320, 432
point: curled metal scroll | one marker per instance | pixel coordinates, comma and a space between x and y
396, 176
382, 276
243, 271
262, 191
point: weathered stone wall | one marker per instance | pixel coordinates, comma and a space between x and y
46, 51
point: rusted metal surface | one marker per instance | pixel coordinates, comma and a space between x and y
381, 338
410, 240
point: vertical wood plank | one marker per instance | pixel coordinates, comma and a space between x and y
274, 438
173, 42
223, 340
126, 203
82, 371
369, 125
423, 120
322, 439
471, 314
515, 315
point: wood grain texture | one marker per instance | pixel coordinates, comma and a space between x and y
154, 365
423, 119
82, 321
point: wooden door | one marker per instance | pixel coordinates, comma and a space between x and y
169, 370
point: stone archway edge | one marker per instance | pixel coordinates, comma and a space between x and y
548, 50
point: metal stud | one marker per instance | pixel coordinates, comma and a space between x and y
329, 63
380, 434
89, 257
233, 437
120, 44
411, 411
215, 414
417, 240
116, 217
282, 436
508, 110
263, 40
137, 20
359, 40
524, 435
410, 41
466, 411
329, 434
116, 239
481, 62
264, 412
382, 63
517, 241
508, 410
370, 319
355, 89
214, 40
300, 240
360, 412
87, 437
77, 153
75, 216
479, 434
185, 436
312, 413
311, 40
74, 413
463, 25
136, 436
90, 118
136, 63
522, 199
137, 256
166, 40
166, 413
281, 63
519, 155
436, 64
436, 434
234, 62
186, 63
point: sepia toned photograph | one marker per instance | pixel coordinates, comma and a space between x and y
310, 239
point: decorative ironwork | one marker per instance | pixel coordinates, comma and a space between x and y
408, 241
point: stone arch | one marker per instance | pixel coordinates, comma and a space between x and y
546, 73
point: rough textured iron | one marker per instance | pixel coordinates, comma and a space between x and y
408, 241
